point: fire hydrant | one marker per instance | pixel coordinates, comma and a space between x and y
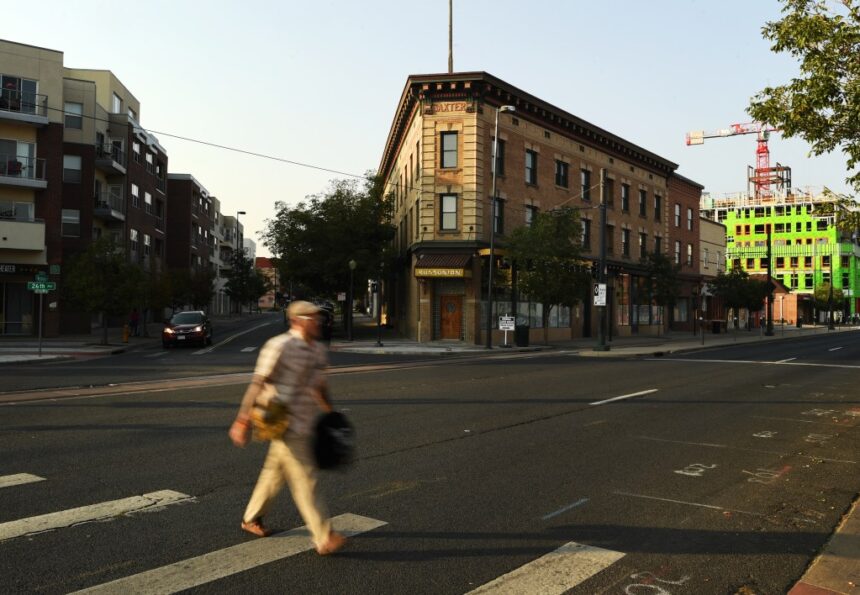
125, 333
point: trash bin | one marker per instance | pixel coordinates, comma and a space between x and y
715, 326
521, 335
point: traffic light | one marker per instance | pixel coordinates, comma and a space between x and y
595, 268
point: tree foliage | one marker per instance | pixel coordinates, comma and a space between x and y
101, 279
549, 260
663, 283
738, 290
822, 296
821, 104
315, 239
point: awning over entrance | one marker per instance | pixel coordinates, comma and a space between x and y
444, 265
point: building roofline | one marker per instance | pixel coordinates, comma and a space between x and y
489, 88
35, 47
688, 180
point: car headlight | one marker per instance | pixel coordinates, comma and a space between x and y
197, 329
169, 331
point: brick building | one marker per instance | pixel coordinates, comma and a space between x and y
437, 167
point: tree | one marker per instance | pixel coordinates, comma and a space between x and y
822, 297
315, 239
239, 277
101, 280
663, 283
548, 254
821, 104
755, 293
201, 287
738, 290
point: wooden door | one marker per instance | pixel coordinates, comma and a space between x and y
451, 307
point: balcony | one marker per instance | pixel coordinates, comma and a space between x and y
23, 107
24, 172
111, 159
109, 207
22, 234
161, 185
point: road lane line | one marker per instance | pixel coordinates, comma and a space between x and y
741, 361
248, 349
232, 337
557, 572
159, 354
711, 506
87, 514
228, 561
7, 481
835, 349
788, 359
630, 396
564, 509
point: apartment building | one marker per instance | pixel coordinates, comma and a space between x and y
684, 242
806, 249
437, 167
190, 213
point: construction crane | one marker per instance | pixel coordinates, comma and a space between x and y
763, 177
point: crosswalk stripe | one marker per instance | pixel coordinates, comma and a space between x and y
157, 354
86, 514
248, 349
553, 573
231, 560
18, 479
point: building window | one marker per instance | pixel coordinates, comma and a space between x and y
705, 258
610, 239
643, 245
417, 159
585, 183
449, 150
499, 216
74, 115
625, 242
448, 212
72, 169
19, 95
807, 280
133, 239
147, 202
689, 255
71, 223
658, 207
690, 219
146, 244
677, 252
750, 263
677, 215
609, 192
825, 261
133, 115
500, 158
561, 173
586, 233
150, 163
625, 198
780, 262
135, 148
135, 196
531, 213
531, 167
643, 203
658, 245
116, 104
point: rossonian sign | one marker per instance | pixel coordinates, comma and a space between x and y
443, 272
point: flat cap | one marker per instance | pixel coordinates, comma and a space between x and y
301, 308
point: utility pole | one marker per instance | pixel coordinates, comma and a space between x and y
450, 36
769, 330
601, 273
830, 325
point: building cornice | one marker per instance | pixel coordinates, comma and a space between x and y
481, 88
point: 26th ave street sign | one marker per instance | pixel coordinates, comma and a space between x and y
41, 286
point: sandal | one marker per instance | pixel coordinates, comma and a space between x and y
334, 542
256, 527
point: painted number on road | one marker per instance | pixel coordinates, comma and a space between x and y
765, 434
819, 412
695, 470
647, 584
818, 438
766, 476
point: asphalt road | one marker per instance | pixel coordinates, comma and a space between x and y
727, 477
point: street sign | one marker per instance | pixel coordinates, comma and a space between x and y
41, 276
41, 286
506, 323
341, 296
600, 294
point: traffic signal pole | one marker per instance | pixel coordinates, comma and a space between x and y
601, 274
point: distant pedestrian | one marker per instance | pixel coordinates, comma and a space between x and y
294, 364
134, 322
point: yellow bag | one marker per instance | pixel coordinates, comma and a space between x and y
269, 418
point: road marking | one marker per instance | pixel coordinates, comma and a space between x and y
7, 481
232, 337
564, 509
800, 421
231, 560
87, 514
757, 450
835, 349
741, 361
248, 349
159, 354
630, 396
711, 506
556, 572
788, 359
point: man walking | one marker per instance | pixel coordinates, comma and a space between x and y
293, 363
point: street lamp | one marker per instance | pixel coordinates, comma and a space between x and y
235, 260
495, 164
352, 265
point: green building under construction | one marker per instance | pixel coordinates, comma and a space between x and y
806, 248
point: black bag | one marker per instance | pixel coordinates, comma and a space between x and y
333, 441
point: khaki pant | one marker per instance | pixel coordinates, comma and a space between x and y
291, 461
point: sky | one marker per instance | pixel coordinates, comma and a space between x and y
318, 82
